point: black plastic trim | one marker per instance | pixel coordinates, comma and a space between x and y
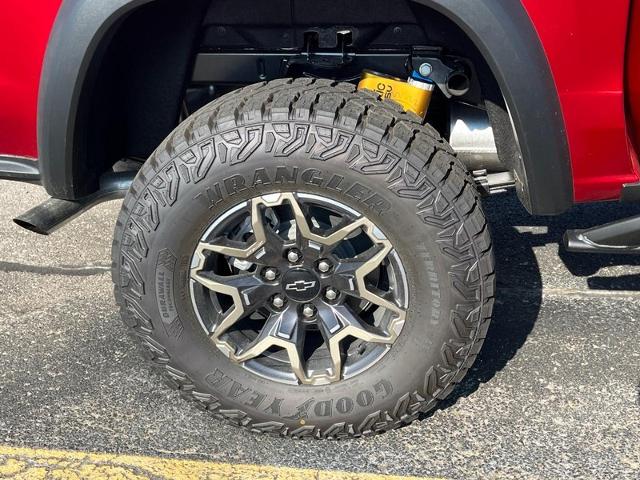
622, 236
505, 36
19, 169
630, 193
80, 27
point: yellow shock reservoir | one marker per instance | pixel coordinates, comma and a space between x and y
414, 94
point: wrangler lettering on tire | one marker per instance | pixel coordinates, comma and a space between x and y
307, 260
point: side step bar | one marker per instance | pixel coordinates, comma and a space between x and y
622, 236
19, 169
49, 216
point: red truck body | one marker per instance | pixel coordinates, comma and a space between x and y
22, 48
589, 71
588, 68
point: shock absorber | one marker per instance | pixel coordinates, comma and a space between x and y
414, 94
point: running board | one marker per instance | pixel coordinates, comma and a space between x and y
19, 169
49, 216
622, 237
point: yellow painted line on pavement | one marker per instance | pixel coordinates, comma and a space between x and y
32, 464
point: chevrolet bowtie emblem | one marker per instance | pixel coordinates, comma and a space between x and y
300, 286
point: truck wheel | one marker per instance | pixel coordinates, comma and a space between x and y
308, 260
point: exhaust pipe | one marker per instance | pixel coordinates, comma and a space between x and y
49, 216
458, 83
472, 138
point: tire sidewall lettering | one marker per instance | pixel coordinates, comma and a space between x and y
313, 407
280, 175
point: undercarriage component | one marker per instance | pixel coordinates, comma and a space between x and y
414, 94
49, 216
453, 81
622, 236
471, 136
491, 183
251, 67
248, 67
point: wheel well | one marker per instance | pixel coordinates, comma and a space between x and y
131, 97
139, 83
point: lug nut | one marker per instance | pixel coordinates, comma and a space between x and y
270, 274
278, 301
331, 294
293, 256
324, 266
309, 311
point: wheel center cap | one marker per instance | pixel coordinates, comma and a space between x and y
301, 285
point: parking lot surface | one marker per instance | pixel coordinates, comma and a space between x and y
555, 391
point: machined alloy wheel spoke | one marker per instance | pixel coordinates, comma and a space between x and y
306, 235
281, 330
351, 276
339, 322
253, 291
345, 269
229, 249
369, 267
234, 314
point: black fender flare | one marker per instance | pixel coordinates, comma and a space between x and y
505, 36
501, 30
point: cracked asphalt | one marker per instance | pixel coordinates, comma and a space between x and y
555, 392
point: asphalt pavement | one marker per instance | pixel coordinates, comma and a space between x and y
555, 393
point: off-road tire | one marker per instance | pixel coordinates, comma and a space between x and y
425, 202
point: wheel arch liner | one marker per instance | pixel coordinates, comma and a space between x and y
79, 30
501, 30
95, 88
